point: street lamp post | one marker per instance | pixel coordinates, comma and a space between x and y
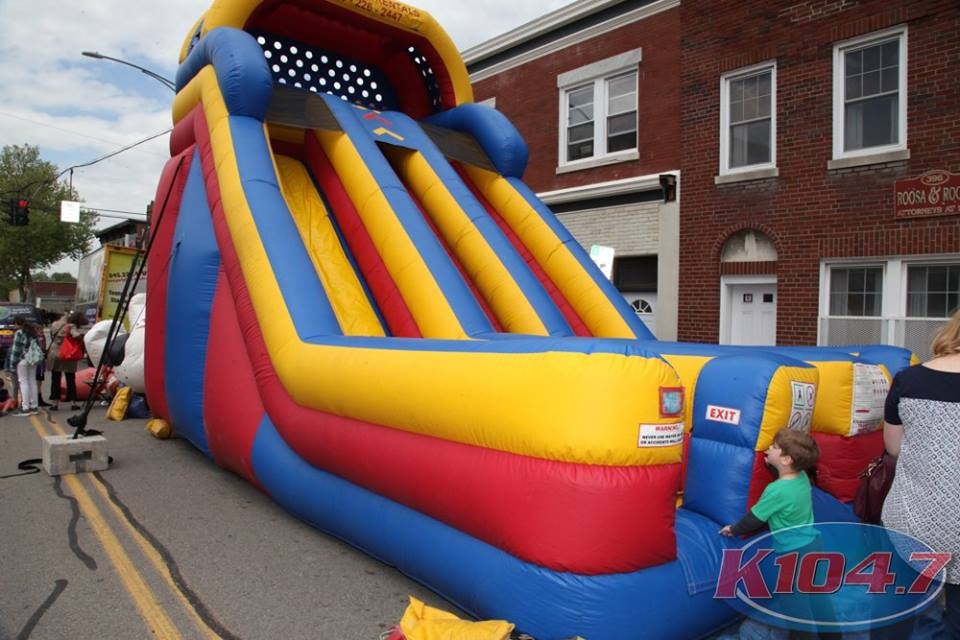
165, 81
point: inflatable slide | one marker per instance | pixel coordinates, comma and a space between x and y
355, 303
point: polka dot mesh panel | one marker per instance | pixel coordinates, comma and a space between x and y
306, 67
429, 80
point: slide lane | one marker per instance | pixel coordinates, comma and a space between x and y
498, 254
435, 293
349, 299
499, 273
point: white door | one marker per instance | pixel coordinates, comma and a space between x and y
645, 306
753, 314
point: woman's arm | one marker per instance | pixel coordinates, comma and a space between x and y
892, 438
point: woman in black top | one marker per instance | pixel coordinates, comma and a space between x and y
922, 429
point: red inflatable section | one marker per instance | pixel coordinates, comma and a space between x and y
760, 477
843, 459
107, 386
232, 411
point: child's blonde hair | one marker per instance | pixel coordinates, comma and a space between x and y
801, 448
947, 339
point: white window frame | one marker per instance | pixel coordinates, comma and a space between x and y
765, 169
884, 153
893, 307
597, 74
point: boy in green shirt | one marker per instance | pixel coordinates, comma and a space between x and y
785, 505
786, 502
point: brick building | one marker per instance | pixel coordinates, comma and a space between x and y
816, 145
595, 93
799, 123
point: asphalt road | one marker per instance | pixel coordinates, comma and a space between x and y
164, 544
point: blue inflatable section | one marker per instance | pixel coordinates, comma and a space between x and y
486, 579
194, 266
722, 454
241, 69
497, 136
303, 292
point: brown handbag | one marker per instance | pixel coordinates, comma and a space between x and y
875, 483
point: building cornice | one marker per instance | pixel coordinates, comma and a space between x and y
551, 22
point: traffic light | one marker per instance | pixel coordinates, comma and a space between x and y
19, 212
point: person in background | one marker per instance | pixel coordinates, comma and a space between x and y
71, 325
6, 402
26, 372
922, 430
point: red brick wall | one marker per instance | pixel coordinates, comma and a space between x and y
529, 97
808, 211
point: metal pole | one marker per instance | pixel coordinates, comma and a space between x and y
169, 84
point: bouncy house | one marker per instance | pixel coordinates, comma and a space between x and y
355, 303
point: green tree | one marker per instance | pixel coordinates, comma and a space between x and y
45, 240
59, 276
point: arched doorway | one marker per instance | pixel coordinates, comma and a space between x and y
748, 289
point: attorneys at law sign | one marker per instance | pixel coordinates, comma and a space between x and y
935, 193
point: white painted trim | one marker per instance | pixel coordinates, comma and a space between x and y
601, 104
725, 79
595, 70
868, 159
602, 161
745, 176
726, 302
550, 22
839, 93
604, 189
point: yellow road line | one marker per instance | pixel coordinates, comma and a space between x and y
159, 565
143, 598
154, 557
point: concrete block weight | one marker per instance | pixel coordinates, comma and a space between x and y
63, 454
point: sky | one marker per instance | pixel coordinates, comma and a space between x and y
77, 109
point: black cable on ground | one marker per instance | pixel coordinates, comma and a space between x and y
27, 467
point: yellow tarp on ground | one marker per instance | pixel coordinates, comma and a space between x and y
422, 622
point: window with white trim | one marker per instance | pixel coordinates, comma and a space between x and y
900, 301
869, 98
856, 291
598, 111
748, 128
933, 290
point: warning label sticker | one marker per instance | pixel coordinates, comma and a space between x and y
804, 397
660, 435
870, 388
